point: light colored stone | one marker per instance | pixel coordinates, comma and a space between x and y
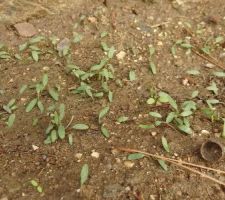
78, 155
35, 147
121, 55
25, 29
128, 164
95, 154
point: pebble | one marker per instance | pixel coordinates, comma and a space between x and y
185, 82
35, 147
128, 164
25, 29
121, 55
204, 132
95, 154
46, 68
153, 133
209, 65
78, 155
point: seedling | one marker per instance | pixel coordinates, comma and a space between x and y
9, 109
39, 88
56, 130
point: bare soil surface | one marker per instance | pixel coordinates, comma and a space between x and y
132, 26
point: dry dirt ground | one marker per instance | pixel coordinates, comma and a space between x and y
132, 25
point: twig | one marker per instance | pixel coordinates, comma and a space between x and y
198, 51
70, 122
179, 163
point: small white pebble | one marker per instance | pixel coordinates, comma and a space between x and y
35, 147
153, 133
128, 164
95, 154
78, 155
204, 132
121, 55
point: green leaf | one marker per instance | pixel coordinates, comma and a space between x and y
163, 165
48, 140
80, 127
213, 87
158, 123
110, 96
104, 46
11, 103
103, 34
7, 109
54, 94
111, 52
170, 117
34, 183
132, 76
186, 45
194, 94
31, 105
45, 80
223, 133
40, 106
135, 156
22, 47
11, 120
155, 114
193, 72
103, 112
22, 89
219, 39
53, 136
70, 139
17, 56
219, 74
105, 132
185, 129
151, 50
152, 67
151, 101
39, 189
122, 119
61, 111
61, 132
36, 39
186, 113
144, 126
173, 50
84, 174
35, 55
165, 144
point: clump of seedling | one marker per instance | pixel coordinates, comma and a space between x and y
56, 129
103, 112
37, 186
39, 88
9, 109
31, 47
178, 115
103, 72
3, 53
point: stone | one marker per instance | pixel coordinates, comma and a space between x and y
95, 154
121, 55
25, 29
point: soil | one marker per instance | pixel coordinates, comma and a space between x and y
132, 26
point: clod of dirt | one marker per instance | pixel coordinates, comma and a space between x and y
212, 150
25, 29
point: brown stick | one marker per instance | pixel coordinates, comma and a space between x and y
179, 163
